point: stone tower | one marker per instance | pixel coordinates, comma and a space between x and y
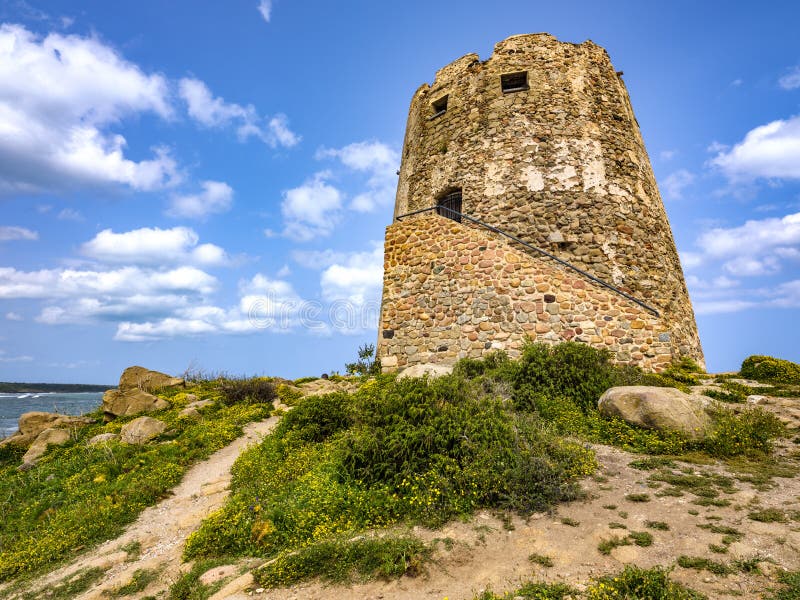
540, 142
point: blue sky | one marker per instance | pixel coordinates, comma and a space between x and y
206, 185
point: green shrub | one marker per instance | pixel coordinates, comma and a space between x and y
367, 363
771, 370
256, 390
640, 584
570, 370
750, 430
318, 417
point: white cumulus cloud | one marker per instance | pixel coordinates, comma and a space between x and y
153, 246
216, 197
211, 111
312, 209
379, 161
771, 151
59, 97
356, 277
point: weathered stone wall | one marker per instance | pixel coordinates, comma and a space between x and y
453, 291
562, 165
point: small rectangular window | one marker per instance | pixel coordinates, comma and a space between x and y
514, 82
439, 107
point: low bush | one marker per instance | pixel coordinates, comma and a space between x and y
256, 390
771, 370
571, 370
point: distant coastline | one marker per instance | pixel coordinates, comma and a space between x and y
39, 388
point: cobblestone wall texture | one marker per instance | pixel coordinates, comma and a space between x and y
560, 164
453, 291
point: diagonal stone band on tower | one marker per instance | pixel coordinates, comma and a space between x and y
537, 144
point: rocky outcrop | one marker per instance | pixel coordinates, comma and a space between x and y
431, 370
147, 380
662, 408
135, 392
31, 424
48, 437
319, 387
141, 430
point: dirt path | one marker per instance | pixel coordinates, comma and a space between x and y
161, 530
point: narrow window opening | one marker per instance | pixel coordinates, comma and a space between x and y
439, 107
449, 205
514, 82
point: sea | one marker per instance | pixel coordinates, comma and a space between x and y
13, 405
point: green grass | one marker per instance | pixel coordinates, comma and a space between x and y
789, 586
769, 515
78, 495
638, 497
338, 561
541, 560
658, 525
606, 546
641, 538
699, 563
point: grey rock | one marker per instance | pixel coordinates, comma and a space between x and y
665, 409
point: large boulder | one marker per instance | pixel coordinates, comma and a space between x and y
662, 408
45, 439
135, 393
31, 424
139, 378
119, 403
141, 430
429, 369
